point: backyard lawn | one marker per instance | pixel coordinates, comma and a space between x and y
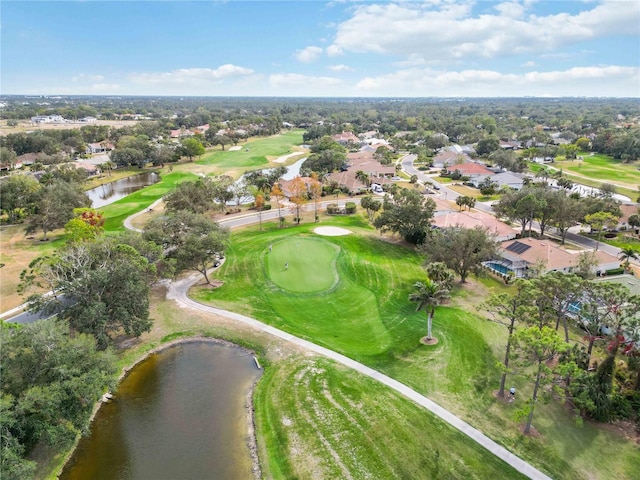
368, 317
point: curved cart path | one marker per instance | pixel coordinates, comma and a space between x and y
178, 292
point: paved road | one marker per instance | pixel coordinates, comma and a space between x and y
448, 194
178, 292
27, 317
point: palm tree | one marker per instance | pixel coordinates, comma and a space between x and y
627, 254
428, 295
363, 177
543, 173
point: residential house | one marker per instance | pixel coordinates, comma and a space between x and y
476, 172
93, 148
627, 210
366, 162
510, 145
346, 137
474, 219
181, 132
88, 167
449, 157
505, 179
201, 129
47, 119
286, 185
22, 161
518, 256
349, 181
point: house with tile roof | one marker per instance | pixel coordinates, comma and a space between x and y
475, 171
449, 157
286, 185
518, 256
346, 137
627, 210
500, 230
348, 181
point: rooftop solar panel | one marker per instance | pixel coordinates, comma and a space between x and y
518, 247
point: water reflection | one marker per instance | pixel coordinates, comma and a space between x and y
113, 191
180, 414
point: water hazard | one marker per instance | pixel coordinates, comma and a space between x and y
180, 414
110, 192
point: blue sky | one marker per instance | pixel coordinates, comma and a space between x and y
431, 48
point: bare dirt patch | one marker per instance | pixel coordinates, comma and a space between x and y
429, 341
331, 231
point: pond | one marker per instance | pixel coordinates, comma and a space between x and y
179, 414
110, 192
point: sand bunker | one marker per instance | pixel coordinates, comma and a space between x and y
284, 158
237, 147
331, 231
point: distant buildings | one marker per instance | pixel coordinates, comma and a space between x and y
38, 119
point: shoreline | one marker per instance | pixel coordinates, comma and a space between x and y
251, 441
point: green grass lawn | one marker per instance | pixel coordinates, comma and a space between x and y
117, 212
603, 168
316, 419
368, 317
598, 169
255, 153
621, 240
302, 265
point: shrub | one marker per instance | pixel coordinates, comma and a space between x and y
350, 207
333, 209
615, 271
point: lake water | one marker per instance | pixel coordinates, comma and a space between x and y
180, 414
110, 192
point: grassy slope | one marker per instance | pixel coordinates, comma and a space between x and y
368, 317
324, 421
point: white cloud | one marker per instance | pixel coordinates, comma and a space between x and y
510, 9
340, 68
308, 54
334, 50
529, 64
192, 76
578, 81
449, 31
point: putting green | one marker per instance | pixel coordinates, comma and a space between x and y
311, 264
